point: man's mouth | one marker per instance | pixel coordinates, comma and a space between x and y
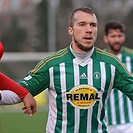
88, 38
117, 44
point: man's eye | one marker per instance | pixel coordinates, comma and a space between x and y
81, 24
94, 25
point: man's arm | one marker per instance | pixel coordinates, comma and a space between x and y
8, 84
8, 97
29, 104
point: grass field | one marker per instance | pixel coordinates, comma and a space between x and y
16, 122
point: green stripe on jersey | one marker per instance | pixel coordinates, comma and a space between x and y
117, 109
83, 112
58, 90
97, 84
69, 71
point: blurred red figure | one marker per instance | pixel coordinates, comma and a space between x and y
1, 50
8, 84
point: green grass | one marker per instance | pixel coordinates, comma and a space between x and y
17, 122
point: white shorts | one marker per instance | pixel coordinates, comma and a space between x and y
123, 128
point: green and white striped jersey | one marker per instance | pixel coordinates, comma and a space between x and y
119, 107
78, 91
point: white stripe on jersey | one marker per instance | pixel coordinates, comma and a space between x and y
112, 103
63, 87
121, 103
130, 109
112, 96
128, 63
103, 82
76, 82
90, 82
112, 79
52, 101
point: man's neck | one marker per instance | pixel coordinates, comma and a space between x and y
82, 56
114, 52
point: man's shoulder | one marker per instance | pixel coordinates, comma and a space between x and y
53, 59
128, 51
103, 53
59, 53
58, 57
104, 56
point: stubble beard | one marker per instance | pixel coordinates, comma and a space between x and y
114, 49
82, 47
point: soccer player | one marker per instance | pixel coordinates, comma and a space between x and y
79, 79
21, 94
119, 107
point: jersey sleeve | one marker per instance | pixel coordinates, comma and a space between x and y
8, 84
124, 80
37, 80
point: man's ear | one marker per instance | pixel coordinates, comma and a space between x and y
124, 38
70, 30
105, 39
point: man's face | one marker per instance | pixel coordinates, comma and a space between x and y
83, 31
115, 39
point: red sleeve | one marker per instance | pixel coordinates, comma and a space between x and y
8, 84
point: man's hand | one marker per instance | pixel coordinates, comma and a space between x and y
29, 105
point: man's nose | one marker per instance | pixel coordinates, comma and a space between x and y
117, 39
88, 29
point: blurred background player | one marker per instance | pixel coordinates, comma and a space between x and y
23, 94
119, 107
